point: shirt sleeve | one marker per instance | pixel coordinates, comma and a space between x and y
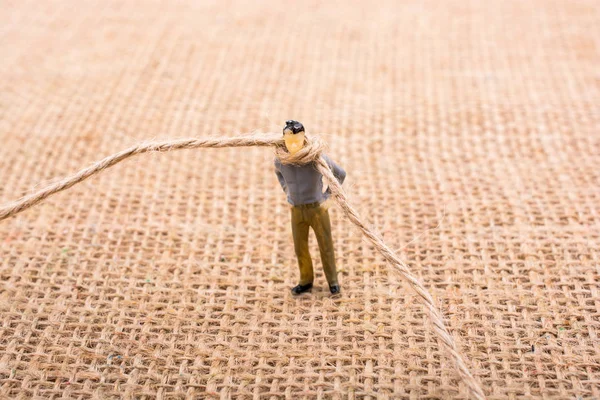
280, 175
338, 172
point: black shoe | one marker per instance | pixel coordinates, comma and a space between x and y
301, 288
334, 289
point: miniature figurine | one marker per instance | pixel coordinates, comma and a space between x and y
304, 188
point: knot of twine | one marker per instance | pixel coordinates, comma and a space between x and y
313, 147
311, 152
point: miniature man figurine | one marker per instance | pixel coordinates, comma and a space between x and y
304, 188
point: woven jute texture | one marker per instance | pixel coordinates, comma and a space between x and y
470, 132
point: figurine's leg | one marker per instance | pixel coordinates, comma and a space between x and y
300, 229
322, 226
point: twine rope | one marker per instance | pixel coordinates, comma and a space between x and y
311, 152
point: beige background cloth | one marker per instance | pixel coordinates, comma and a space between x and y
470, 134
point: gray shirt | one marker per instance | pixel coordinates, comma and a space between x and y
303, 184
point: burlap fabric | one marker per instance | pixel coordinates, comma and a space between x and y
470, 134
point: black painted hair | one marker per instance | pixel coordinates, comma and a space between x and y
294, 126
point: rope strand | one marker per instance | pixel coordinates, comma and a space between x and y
311, 152
31, 200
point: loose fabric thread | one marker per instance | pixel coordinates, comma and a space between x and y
311, 152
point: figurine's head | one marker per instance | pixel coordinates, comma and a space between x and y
293, 135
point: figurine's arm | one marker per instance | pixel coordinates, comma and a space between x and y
338, 172
280, 175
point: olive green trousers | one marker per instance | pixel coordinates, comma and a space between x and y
316, 216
